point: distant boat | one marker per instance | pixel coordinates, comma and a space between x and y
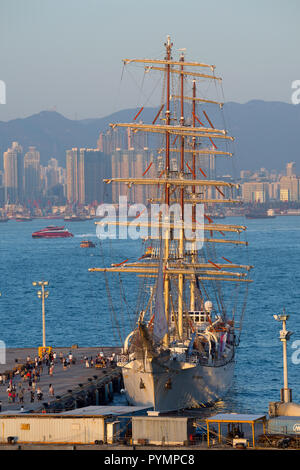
259, 215
4, 219
217, 216
52, 232
23, 218
87, 244
76, 218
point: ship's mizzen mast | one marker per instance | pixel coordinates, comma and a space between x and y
194, 257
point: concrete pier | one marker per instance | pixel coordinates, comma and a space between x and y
74, 386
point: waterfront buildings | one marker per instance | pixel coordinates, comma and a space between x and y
24, 180
255, 192
263, 186
121, 154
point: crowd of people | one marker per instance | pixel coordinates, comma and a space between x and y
100, 361
23, 382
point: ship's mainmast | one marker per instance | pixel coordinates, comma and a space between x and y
168, 46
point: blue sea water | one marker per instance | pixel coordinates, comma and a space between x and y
78, 310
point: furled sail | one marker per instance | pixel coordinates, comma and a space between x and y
160, 326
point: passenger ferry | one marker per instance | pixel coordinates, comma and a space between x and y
52, 232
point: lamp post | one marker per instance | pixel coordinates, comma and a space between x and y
284, 337
42, 294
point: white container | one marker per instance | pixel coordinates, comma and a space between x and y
52, 429
112, 432
159, 430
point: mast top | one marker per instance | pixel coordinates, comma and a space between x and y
168, 46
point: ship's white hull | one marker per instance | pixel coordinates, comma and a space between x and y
172, 385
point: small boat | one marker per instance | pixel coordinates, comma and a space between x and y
75, 218
87, 244
4, 219
52, 232
217, 216
23, 218
259, 215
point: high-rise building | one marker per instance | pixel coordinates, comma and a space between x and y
53, 182
51, 174
32, 174
274, 190
255, 192
289, 188
132, 164
245, 174
94, 165
72, 159
291, 169
86, 169
13, 173
121, 139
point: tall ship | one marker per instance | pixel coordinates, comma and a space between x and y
181, 351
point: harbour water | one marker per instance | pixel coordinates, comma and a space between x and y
77, 310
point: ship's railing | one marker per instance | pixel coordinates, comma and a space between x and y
203, 359
209, 360
122, 360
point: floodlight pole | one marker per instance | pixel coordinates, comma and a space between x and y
285, 368
284, 337
43, 294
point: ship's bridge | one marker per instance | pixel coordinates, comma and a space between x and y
199, 318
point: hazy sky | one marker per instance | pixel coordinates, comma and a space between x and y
67, 54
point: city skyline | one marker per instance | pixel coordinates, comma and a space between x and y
25, 181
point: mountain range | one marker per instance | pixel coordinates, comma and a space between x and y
267, 133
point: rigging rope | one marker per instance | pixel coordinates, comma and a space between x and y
114, 319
